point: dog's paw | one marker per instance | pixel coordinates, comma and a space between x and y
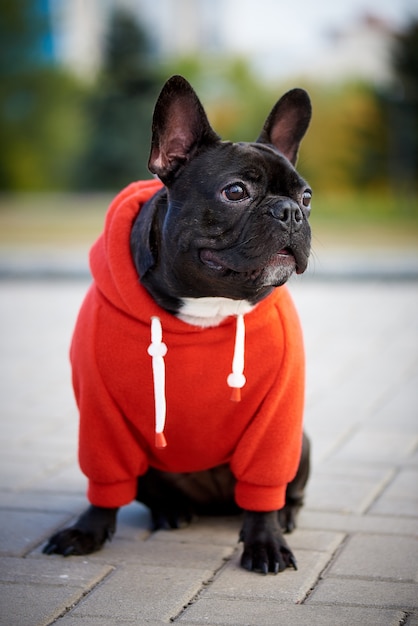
96, 526
72, 541
288, 517
171, 519
265, 549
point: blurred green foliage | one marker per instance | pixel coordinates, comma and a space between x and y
41, 124
57, 133
119, 110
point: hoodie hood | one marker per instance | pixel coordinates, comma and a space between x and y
116, 277
111, 262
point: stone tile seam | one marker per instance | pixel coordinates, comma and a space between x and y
381, 534
387, 394
354, 605
341, 441
378, 490
332, 557
35, 509
405, 620
385, 483
83, 595
373, 579
205, 585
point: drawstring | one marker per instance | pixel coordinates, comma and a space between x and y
157, 350
236, 378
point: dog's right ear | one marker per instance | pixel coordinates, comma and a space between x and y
287, 123
180, 128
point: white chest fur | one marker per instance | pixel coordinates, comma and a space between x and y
211, 311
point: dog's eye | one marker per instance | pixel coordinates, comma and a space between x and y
306, 198
235, 192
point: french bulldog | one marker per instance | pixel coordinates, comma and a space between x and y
220, 234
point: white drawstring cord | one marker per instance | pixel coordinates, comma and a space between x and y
157, 350
236, 379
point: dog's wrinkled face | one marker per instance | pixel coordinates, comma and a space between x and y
233, 219
251, 231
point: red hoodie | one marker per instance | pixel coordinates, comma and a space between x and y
260, 436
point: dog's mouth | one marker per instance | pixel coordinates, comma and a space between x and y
284, 259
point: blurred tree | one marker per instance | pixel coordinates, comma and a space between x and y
119, 111
403, 111
388, 142
236, 100
40, 121
372, 132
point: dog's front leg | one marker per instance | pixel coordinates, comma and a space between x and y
265, 549
88, 534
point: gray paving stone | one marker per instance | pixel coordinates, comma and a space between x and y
144, 551
42, 605
404, 484
37, 592
322, 541
224, 532
357, 447
134, 544
20, 470
325, 440
143, 593
360, 471
340, 489
67, 479
183, 555
360, 592
412, 460
289, 586
42, 501
53, 571
217, 531
384, 557
402, 403
339, 401
376, 446
403, 507
379, 524
74, 620
247, 612
23, 530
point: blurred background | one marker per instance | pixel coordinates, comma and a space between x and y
79, 78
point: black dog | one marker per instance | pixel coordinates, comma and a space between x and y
212, 248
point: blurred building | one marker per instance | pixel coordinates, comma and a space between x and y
361, 50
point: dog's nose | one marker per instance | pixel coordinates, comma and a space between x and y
288, 213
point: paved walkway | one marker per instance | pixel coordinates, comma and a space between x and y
356, 546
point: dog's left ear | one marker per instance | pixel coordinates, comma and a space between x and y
287, 123
180, 128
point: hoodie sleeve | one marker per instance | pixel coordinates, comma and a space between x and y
267, 456
109, 454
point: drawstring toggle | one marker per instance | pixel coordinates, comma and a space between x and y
236, 378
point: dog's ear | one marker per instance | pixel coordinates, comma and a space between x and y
179, 129
287, 123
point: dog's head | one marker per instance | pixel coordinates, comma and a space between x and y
235, 220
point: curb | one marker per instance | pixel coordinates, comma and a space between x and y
330, 268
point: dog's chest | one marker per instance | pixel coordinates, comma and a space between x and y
211, 311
